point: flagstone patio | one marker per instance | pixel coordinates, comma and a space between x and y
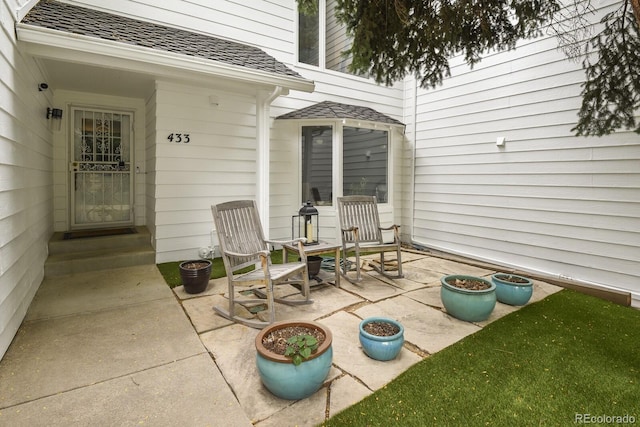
413, 300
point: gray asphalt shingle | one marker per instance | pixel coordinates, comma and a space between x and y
336, 110
93, 23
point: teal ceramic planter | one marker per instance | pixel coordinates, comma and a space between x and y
512, 289
381, 347
286, 380
466, 304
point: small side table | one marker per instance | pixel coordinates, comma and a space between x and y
320, 248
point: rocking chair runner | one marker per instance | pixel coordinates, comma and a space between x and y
361, 232
242, 244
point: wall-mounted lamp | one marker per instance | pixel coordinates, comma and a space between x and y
56, 114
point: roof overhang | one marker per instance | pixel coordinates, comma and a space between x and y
74, 48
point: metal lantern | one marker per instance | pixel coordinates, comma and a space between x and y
307, 220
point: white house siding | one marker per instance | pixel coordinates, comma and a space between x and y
548, 201
26, 191
221, 159
266, 24
68, 99
217, 165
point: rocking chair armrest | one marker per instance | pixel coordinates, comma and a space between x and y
299, 242
391, 227
395, 228
241, 255
349, 229
287, 242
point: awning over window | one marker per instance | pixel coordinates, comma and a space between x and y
336, 110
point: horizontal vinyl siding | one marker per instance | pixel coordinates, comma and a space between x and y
218, 165
26, 168
548, 201
266, 24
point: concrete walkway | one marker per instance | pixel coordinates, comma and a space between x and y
120, 348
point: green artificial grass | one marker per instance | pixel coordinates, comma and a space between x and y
171, 271
548, 364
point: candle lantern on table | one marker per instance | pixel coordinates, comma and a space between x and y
307, 224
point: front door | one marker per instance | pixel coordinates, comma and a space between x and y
101, 179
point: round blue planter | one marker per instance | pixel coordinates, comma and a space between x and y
465, 304
286, 380
512, 293
381, 348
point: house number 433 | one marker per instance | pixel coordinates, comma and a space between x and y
179, 138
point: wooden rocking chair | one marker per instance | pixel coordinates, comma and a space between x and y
242, 244
361, 232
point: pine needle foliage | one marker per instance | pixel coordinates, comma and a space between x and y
392, 39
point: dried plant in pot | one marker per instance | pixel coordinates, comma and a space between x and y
195, 275
381, 338
468, 298
512, 289
294, 357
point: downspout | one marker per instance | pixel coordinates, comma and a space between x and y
413, 161
263, 104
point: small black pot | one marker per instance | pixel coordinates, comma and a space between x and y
313, 265
195, 275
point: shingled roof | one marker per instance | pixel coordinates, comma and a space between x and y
93, 23
335, 110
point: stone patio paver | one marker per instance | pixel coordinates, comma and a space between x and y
413, 300
306, 412
428, 328
346, 391
446, 267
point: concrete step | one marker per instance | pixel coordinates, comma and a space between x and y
98, 253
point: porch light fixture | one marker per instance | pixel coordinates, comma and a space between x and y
56, 115
308, 225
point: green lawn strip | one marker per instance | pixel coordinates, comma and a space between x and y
171, 272
541, 365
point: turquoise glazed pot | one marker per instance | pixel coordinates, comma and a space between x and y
466, 304
286, 380
378, 347
510, 292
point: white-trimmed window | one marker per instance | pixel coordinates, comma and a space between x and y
363, 165
323, 26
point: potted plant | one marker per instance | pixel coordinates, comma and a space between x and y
294, 357
195, 275
381, 338
468, 298
512, 289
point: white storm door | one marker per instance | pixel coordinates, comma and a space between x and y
101, 179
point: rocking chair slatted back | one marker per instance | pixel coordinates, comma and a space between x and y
360, 212
361, 232
239, 226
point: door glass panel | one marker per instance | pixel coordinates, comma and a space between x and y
101, 168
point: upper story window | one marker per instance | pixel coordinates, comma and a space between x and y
323, 26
